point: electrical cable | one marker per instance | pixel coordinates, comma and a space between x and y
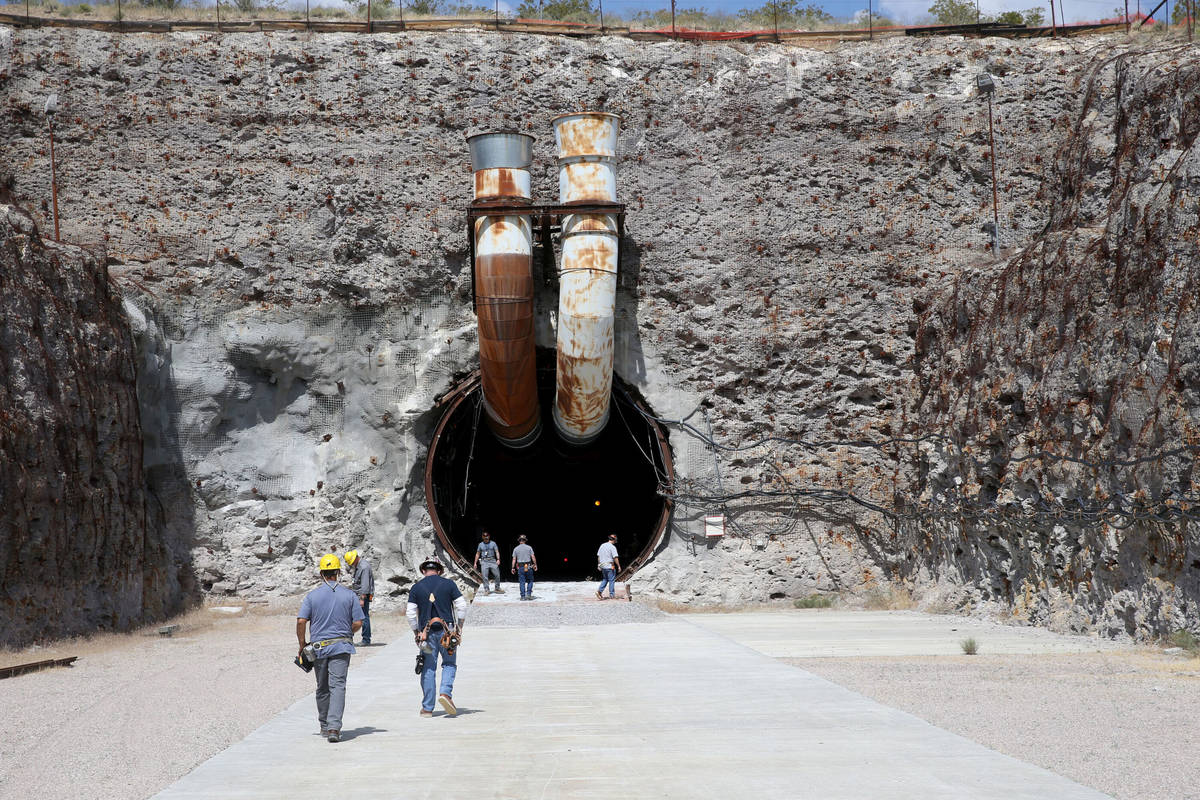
1119, 511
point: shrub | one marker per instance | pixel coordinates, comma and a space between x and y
955, 12
969, 646
1186, 640
814, 601
328, 12
790, 13
565, 10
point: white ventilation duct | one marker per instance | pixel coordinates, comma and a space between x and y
587, 148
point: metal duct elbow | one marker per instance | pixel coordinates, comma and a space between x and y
587, 144
504, 288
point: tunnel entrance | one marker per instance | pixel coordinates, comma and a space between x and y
566, 499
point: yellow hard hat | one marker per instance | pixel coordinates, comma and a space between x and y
329, 561
351, 557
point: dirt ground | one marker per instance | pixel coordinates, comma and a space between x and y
138, 711
1118, 722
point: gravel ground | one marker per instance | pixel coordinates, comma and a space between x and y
136, 712
1121, 723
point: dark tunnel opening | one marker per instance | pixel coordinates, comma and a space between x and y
566, 499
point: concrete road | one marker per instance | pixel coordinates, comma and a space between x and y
670, 709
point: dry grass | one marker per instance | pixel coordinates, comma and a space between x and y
888, 598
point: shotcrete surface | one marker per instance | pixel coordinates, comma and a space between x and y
807, 254
285, 213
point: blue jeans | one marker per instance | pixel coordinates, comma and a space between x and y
525, 579
429, 673
366, 628
610, 578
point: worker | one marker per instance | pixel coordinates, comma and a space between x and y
610, 565
436, 611
524, 565
363, 585
332, 615
487, 559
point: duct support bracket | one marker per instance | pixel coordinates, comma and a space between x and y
547, 219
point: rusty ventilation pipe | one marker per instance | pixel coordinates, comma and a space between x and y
504, 288
587, 149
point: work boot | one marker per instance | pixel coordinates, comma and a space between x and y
599, 596
447, 705
498, 590
335, 736
425, 713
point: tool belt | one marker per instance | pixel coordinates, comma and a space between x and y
335, 640
451, 637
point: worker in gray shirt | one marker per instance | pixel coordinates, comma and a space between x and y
487, 560
332, 617
363, 585
524, 564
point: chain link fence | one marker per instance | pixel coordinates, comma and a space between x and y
653, 19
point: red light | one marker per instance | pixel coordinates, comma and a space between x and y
564, 561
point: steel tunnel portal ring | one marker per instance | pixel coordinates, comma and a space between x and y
456, 414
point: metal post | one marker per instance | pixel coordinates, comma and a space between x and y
775, 12
26, 12
497, 14
307, 21
1053, 24
601, 17
402, 25
368, 16
1126, 17
995, 195
218, 16
118, 13
976, 13
674, 35
53, 174
870, 21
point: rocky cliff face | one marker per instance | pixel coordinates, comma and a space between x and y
78, 548
1069, 376
290, 210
